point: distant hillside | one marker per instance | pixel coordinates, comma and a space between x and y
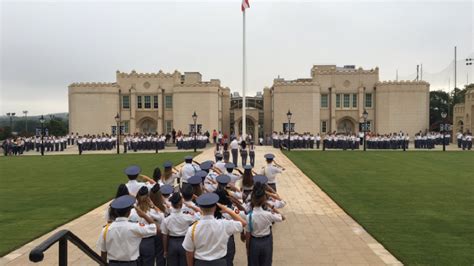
5, 120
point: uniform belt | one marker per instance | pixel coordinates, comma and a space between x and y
121, 261
177, 237
262, 237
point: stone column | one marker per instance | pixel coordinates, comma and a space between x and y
133, 107
333, 126
361, 95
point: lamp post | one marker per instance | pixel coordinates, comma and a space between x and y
11, 115
26, 121
194, 116
443, 128
365, 115
42, 134
288, 115
117, 132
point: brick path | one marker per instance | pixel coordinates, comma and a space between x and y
316, 232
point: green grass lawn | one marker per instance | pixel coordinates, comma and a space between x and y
38, 194
419, 205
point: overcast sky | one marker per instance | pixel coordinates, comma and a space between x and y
46, 45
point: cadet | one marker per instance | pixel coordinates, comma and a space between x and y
168, 176
189, 169
147, 248
259, 239
243, 152
119, 241
234, 147
206, 240
271, 171
133, 185
252, 154
174, 229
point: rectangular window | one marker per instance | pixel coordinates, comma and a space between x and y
338, 100
125, 102
155, 102
124, 127
114, 129
368, 100
347, 98
324, 101
147, 102
324, 126
139, 102
354, 100
168, 101
285, 127
169, 126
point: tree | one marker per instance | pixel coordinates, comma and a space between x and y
440, 101
57, 126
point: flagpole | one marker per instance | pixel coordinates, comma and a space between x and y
244, 74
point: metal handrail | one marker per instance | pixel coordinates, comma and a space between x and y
37, 254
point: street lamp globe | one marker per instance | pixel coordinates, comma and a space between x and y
194, 116
42, 119
365, 114
443, 114
289, 114
117, 118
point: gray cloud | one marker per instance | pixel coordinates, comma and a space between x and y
47, 45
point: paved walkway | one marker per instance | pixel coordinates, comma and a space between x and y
316, 232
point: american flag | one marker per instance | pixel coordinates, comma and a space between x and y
245, 5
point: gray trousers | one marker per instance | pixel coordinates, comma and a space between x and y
147, 252
235, 156
229, 257
252, 158
160, 260
261, 251
176, 252
219, 262
244, 155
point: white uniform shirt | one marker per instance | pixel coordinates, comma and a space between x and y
188, 170
221, 166
210, 237
270, 171
234, 144
158, 217
123, 239
177, 223
134, 186
261, 222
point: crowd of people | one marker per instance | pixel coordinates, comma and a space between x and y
464, 140
193, 215
19, 145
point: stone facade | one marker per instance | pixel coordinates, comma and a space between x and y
156, 102
463, 118
332, 99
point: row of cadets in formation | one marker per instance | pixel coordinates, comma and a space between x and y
153, 222
187, 142
144, 142
464, 140
297, 141
430, 140
19, 145
392, 141
103, 142
238, 148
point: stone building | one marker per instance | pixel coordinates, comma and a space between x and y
148, 103
463, 119
332, 99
